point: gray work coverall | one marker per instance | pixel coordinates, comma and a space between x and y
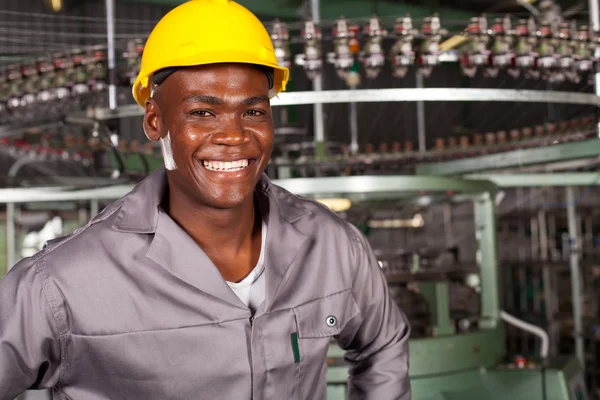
130, 307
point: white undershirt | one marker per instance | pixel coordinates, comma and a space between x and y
251, 290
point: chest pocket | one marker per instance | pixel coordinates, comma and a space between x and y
325, 317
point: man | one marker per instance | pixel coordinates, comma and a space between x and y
206, 281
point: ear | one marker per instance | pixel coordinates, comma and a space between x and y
153, 121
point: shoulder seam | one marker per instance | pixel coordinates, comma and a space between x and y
358, 247
60, 322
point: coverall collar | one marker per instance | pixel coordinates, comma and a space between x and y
173, 249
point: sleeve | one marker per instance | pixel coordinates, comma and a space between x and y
376, 340
29, 336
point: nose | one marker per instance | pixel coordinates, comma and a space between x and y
231, 133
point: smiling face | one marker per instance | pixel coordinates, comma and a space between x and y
216, 129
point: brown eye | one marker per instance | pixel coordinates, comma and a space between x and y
201, 113
256, 113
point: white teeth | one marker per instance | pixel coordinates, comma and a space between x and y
228, 166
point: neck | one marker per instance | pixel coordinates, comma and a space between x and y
213, 228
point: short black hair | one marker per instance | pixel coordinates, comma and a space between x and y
159, 76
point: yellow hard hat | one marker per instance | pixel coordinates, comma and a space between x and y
201, 32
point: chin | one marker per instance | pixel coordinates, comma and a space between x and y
205, 192
229, 203
225, 199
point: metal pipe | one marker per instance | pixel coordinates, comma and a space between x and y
536, 330
353, 128
552, 233
594, 8
82, 216
576, 287
94, 208
522, 260
20, 163
547, 279
589, 237
543, 231
421, 115
319, 121
448, 231
594, 14
11, 244
110, 42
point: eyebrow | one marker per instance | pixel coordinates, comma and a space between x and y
200, 98
254, 100
215, 101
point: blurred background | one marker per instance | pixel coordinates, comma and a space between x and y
460, 136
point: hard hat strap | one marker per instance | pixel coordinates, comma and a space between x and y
159, 76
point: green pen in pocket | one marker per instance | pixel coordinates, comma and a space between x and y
296, 347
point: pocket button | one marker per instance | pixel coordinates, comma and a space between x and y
331, 321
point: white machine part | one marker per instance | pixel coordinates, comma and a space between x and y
34, 241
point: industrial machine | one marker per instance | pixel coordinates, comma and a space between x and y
468, 157
459, 351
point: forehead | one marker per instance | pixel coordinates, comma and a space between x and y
219, 80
